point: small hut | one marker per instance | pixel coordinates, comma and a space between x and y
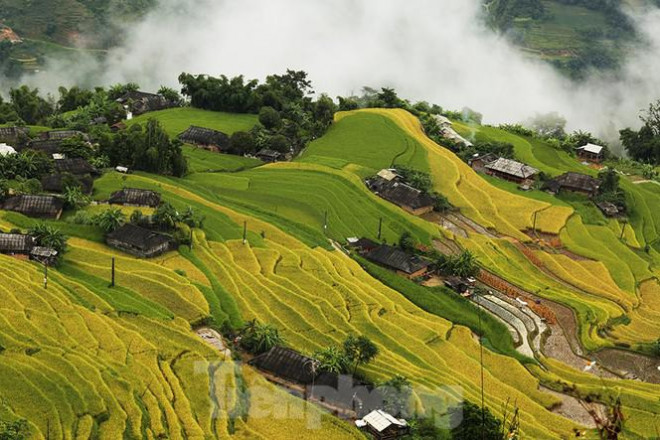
76, 167
138, 241
138, 102
287, 364
269, 156
205, 137
405, 264
382, 425
591, 153
135, 197
511, 170
574, 182
405, 196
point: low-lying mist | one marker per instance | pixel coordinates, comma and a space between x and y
434, 50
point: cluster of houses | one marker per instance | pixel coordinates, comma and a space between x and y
343, 395
447, 131
25, 246
390, 186
217, 141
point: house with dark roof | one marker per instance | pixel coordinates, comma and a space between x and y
574, 182
14, 135
47, 146
609, 209
35, 206
54, 183
63, 134
142, 102
135, 197
16, 244
269, 156
382, 425
511, 170
76, 166
205, 137
287, 364
138, 241
405, 264
479, 161
405, 196
362, 244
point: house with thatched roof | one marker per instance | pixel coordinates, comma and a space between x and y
205, 137
405, 264
574, 182
135, 197
287, 364
35, 206
138, 241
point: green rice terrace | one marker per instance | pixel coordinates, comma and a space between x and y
113, 352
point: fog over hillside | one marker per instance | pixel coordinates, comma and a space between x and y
435, 50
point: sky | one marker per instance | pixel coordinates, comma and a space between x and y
433, 50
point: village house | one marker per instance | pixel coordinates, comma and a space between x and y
574, 182
290, 369
457, 284
76, 167
362, 245
35, 206
591, 153
205, 137
60, 135
511, 170
287, 364
609, 209
407, 265
25, 246
46, 146
135, 197
382, 425
138, 241
138, 102
479, 161
269, 156
405, 196
54, 183
19, 245
447, 131
14, 135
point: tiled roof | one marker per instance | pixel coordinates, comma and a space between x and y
76, 166
401, 194
16, 243
512, 168
205, 136
575, 181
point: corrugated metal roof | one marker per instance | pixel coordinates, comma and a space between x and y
380, 420
592, 148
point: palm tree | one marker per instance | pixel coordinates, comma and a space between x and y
258, 338
166, 216
332, 360
359, 350
48, 236
74, 197
110, 220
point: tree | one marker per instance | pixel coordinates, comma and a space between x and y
609, 179
110, 219
48, 236
332, 360
29, 106
396, 395
407, 242
191, 219
74, 197
242, 142
4, 189
279, 143
470, 423
259, 337
73, 98
166, 217
270, 118
119, 90
76, 147
172, 96
17, 430
137, 217
324, 110
463, 265
359, 350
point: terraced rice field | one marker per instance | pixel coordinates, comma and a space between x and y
176, 120
482, 202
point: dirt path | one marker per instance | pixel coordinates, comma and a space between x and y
571, 408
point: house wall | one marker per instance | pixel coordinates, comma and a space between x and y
505, 176
591, 157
